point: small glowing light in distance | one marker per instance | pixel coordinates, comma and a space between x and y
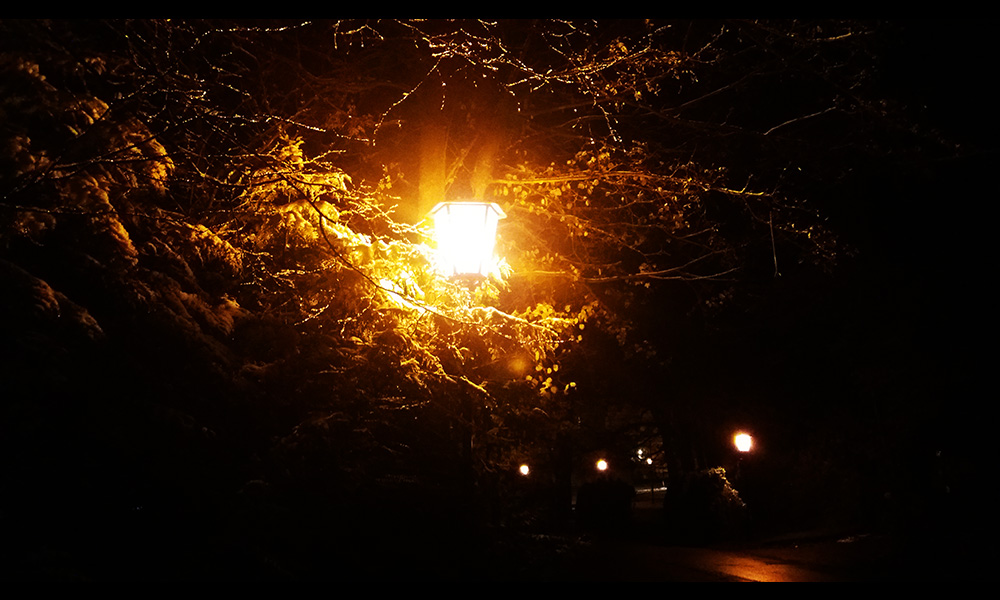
743, 442
524, 469
602, 465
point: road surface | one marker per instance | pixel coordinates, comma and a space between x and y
625, 561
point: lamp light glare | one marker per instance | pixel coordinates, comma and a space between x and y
743, 442
465, 233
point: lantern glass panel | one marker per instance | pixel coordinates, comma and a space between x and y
466, 236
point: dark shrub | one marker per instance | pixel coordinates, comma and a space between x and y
703, 507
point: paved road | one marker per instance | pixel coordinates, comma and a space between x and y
821, 559
805, 557
623, 561
636, 563
631, 560
865, 558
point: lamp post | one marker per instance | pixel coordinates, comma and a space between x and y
743, 442
466, 237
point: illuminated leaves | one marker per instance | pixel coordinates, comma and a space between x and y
607, 210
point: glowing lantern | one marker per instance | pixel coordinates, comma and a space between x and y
466, 237
525, 469
743, 442
602, 465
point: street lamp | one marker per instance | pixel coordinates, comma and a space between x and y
743, 442
466, 237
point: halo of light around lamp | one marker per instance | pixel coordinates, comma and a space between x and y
465, 233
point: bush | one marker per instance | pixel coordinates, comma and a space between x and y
704, 507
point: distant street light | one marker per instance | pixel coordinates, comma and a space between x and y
524, 470
465, 233
743, 442
602, 465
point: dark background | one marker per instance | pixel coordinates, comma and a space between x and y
867, 391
